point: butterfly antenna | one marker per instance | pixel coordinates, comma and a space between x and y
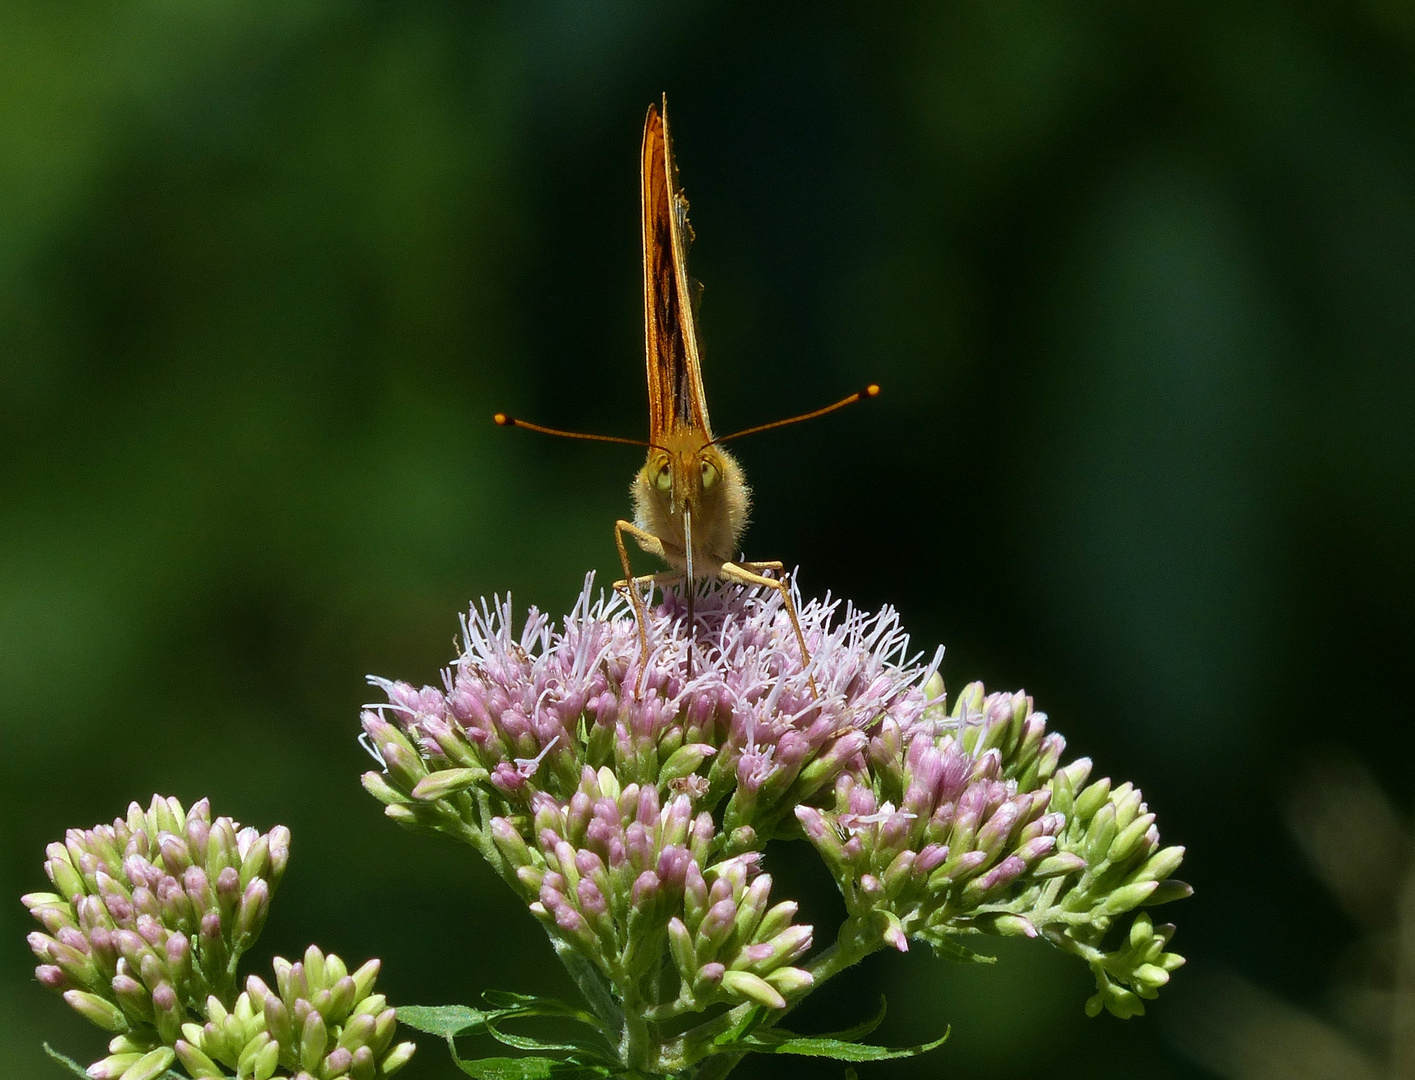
859, 395
510, 421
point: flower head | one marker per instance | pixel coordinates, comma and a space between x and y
151, 913
533, 708
142, 936
630, 806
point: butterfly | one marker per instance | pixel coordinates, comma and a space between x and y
691, 498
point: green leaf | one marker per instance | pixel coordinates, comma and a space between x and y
946, 948
509, 1001
836, 1049
68, 1063
742, 1028
526, 1042
529, 1068
443, 1020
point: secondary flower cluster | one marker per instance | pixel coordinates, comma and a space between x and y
151, 914
321, 1022
142, 936
630, 805
964, 824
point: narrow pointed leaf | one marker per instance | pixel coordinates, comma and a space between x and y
946, 948
742, 1028
526, 1042
529, 1068
511, 1004
806, 1046
507, 999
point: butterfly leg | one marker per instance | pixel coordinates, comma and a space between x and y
745, 574
775, 565
630, 584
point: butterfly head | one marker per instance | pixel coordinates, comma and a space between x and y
688, 474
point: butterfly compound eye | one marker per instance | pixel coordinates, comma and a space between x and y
709, 471
663, 479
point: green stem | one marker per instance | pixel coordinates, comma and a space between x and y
637, 1047
854, 942
592, 986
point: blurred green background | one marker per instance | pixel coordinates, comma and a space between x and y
1138, 281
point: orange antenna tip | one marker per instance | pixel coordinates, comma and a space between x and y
859, 395
510, 421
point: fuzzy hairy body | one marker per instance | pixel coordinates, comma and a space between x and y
689, 484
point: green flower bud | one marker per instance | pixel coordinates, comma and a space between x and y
151, 1065
256, 862
314, 1041
363, 1065
341, 996
1161, 864
314, 970
399, 1056
1012, 926
358, 1031
385, 1024
1091, 799
114, 1066
1169, 890
67, 880
377, 785
278, 1020
1130, 838
364, 978
1127, 897
776, 920
133, 997
195, 1061
402, 815
790, 980
1128, 803
969, 702
744, 984
1118, 1001
600, 743
1063, 862
97, 1010
609, 783
1142, 930
1101, 834
751, 907
680, 945
448, 782
684, 762
1150, 976
265, 1062
245, 1063
373, 1005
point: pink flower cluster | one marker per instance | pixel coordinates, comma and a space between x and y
630, 804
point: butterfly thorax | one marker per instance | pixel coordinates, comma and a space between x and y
688, 483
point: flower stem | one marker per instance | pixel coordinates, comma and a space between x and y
854, 942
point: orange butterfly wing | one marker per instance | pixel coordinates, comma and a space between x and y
675, 378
